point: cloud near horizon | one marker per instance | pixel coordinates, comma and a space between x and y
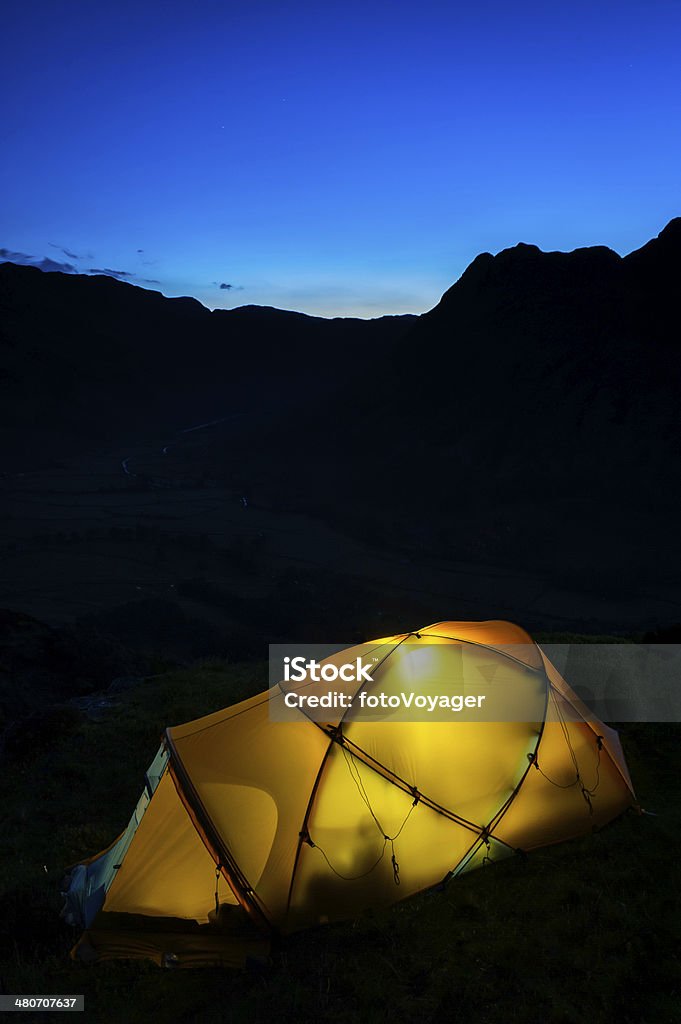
10, 255
122, 275
67, 252
110, 273
224, 286
48, 265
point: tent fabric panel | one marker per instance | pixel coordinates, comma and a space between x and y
469, 768
256, 812
611, 740
456, 763
217, 718
613, 746
490, 633
350, 866
550, 805
254, 776
90, 880
167, 872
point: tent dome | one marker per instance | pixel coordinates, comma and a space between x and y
261, 816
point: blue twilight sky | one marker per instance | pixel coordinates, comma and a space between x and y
333, 158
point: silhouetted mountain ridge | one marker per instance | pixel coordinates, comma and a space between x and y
532, 416
89, 356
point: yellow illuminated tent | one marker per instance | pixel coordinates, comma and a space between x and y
251, 827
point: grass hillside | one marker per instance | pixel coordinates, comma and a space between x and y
587, 930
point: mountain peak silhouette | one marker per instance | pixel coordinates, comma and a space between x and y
672, 231
530, 419
523, 269
659, 260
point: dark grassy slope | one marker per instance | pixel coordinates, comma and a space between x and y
586, 930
